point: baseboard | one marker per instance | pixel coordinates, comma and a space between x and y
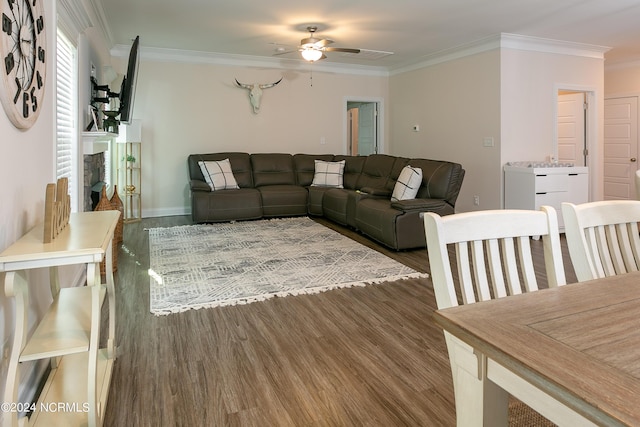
153, 213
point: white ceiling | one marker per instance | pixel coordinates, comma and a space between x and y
411, 29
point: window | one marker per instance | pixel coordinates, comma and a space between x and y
66, 113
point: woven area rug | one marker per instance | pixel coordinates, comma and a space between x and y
199, 266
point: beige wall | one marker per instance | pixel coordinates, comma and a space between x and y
507, 94
189, 108
457, 105
622, 80
530, 83
26, 167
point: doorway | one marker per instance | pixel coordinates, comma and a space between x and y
620, 147
363, 127
572, 133
576, 132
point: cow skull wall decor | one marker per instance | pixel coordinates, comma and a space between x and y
255, 93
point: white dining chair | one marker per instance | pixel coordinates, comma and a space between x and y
637, 182
602, 237
493, 259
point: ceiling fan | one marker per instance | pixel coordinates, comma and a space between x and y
313, 48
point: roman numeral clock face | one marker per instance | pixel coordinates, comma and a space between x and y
23, 56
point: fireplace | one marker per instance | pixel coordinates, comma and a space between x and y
94, 175
96, 145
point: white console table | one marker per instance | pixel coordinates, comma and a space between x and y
529, 187
75, 393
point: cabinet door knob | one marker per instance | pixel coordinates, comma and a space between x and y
633, 159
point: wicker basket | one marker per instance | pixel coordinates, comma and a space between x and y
105, 205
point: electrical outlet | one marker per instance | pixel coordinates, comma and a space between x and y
476, 200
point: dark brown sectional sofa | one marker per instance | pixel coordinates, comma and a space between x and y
279, 185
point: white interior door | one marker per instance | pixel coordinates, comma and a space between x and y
352, 131
620, 147
571, 128
367, 129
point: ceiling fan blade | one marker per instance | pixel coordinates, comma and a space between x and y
341, 49
284, 52
312, 42
323, 42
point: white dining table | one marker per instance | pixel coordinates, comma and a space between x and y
578, 344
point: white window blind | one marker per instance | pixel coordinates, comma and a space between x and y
66, 134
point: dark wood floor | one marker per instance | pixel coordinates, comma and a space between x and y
350, 357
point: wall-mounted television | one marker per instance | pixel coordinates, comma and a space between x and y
128, 88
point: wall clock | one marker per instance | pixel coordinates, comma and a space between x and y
22, 60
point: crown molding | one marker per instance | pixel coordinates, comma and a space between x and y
506, 41
73, 19
499, 41
231, 60
537, 44
101, 22
473, 48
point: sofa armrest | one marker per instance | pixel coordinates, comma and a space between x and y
420, 205
376, 192
197, 185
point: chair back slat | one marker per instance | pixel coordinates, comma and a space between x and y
634, 242
628, 262
510, 263
603, 237
614, 248
526, 261
479, 271
495, 268
465, 274
591, 251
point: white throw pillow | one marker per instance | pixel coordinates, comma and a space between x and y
218, 174
408, 184
328, 174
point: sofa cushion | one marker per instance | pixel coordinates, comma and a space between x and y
352, 169
408, 184
272, 169
334, 204
218, 174
283, 200
328, 174
440, 179
315, 201
339, 205
376, 171
226, 205
377, 219
392, 227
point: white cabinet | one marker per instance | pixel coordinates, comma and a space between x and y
529, 187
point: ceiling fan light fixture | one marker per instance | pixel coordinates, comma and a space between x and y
311, 55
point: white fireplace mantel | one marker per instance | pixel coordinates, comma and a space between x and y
96, 142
